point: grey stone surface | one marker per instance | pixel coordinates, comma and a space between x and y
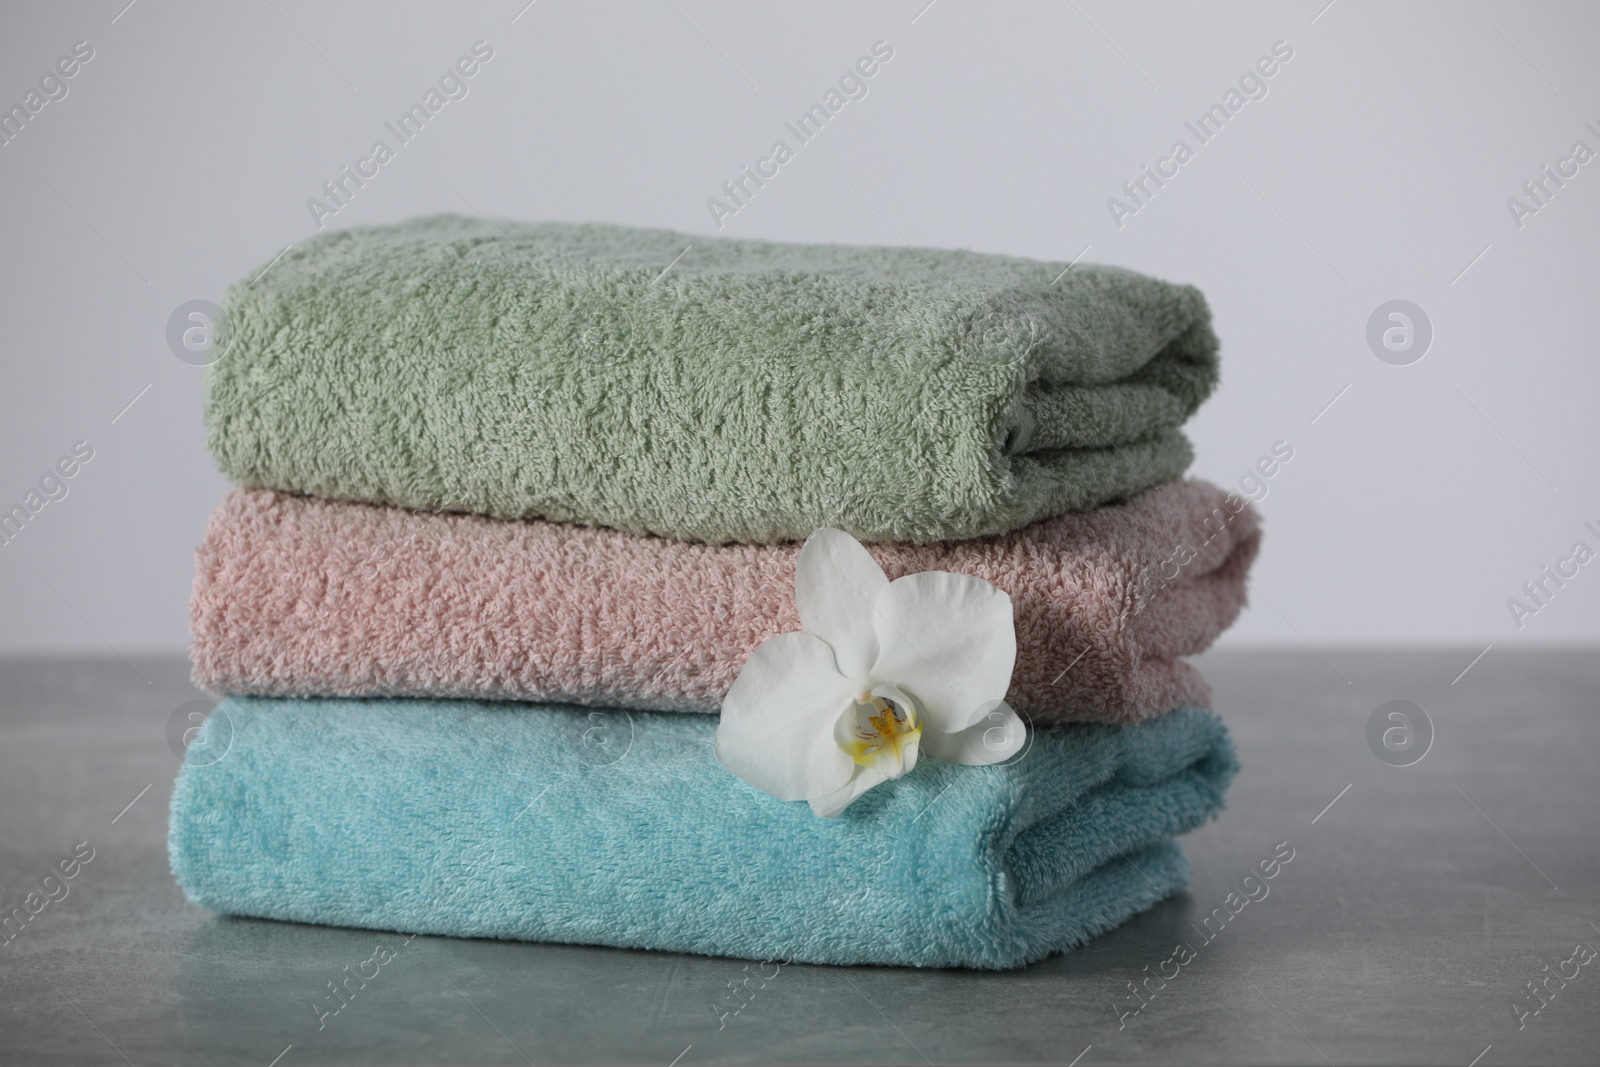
1406, 927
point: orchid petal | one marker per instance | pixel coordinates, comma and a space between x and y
836, 585
777, 720
950, 641
833, 803
997, 736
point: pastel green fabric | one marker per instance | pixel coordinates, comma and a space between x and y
613, 828
747, 391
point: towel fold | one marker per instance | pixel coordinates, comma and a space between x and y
296, 596
491, 820
703, 388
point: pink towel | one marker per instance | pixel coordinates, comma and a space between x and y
298, 596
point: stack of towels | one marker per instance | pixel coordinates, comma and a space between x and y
517, 503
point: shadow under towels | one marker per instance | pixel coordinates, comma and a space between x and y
615, 828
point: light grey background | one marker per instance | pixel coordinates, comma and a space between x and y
1377, 167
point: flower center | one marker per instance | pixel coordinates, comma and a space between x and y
881, 731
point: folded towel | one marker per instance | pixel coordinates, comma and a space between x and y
490, 820
296, 596
746, 391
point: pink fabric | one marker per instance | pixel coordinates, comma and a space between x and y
298, 596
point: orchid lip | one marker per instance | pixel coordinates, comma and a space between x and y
881, 729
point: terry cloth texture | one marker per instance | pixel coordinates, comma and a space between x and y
491, 820
752, 392
296, 596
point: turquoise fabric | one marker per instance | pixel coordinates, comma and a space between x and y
614, 828
753, 392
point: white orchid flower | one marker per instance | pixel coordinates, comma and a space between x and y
881, 672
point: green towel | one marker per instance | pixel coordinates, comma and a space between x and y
743, 391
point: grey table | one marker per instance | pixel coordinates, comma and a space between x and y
1419, 903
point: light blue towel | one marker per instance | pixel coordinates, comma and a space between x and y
612, 828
